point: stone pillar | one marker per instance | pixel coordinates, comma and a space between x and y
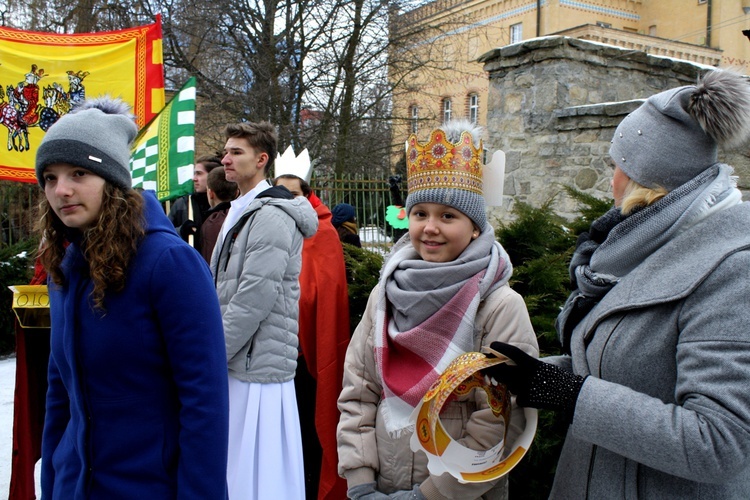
554, 103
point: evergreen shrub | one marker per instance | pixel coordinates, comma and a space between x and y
16, 268
362, 272
540, 244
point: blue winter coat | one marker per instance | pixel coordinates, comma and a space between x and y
137, 405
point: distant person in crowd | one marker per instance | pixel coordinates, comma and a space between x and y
137, 405
220, 193
179, 213
443, 291
656, 384
256, 265
345, 222
323, 336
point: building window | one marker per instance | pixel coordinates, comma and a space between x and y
602, 24
446, 110
414, 118
473, 108
516, 33
652, 30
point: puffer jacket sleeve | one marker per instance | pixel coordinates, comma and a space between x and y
358, 404
704, 435
191, 325
265, 260
503, 317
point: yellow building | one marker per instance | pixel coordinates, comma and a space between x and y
452, 34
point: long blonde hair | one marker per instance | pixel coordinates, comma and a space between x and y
108, 245
638, 196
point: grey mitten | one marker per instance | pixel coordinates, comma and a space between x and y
366, 491
412, 494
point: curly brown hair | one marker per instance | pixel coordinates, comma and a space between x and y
108, 245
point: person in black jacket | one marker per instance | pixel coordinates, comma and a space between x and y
178, 214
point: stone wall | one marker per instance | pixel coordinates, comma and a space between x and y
554, 104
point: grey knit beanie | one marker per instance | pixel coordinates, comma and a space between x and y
448, 170
675, 135
95, 135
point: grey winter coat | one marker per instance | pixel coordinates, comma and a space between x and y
256, 269
665, 412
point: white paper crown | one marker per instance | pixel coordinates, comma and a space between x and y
289, 164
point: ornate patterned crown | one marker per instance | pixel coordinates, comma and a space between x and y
442, 164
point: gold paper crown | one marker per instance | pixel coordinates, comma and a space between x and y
442, 164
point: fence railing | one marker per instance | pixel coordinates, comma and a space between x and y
370, 198
18, 210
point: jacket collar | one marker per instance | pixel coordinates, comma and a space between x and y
679, 267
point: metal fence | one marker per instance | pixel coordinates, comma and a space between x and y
18, 211
370, 198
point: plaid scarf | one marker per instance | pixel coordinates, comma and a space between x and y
425, 318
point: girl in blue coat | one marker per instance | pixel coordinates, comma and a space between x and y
137, 401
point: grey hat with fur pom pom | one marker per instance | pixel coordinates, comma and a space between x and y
675, 134
95, 135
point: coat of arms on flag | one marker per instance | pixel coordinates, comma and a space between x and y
42, 75
164, 150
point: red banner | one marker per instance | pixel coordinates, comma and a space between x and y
42, 75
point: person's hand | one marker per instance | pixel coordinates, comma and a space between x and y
412, 494
535, 383
188, 227
366, 491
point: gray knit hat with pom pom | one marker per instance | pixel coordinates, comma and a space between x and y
95, 135
675, 135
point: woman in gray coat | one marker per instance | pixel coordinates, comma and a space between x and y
657, 384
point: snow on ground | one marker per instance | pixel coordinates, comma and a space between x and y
7, 385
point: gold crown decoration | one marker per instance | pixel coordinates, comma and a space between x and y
440, 163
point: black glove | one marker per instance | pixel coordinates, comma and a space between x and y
394, 180
535, 383
187, 228
366, 491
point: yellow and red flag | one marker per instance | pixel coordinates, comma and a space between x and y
43, 74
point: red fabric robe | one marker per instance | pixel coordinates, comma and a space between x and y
324, 336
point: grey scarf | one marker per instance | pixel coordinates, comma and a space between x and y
624, 242
416, 289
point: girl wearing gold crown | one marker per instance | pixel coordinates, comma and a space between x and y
443, 291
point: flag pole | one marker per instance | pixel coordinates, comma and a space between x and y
190, 217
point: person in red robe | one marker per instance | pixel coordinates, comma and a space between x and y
323, 336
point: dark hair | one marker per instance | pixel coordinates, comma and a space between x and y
209, 162
223, 189
107, 246
304, 186
260, 135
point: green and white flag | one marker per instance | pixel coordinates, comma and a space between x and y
164, 150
